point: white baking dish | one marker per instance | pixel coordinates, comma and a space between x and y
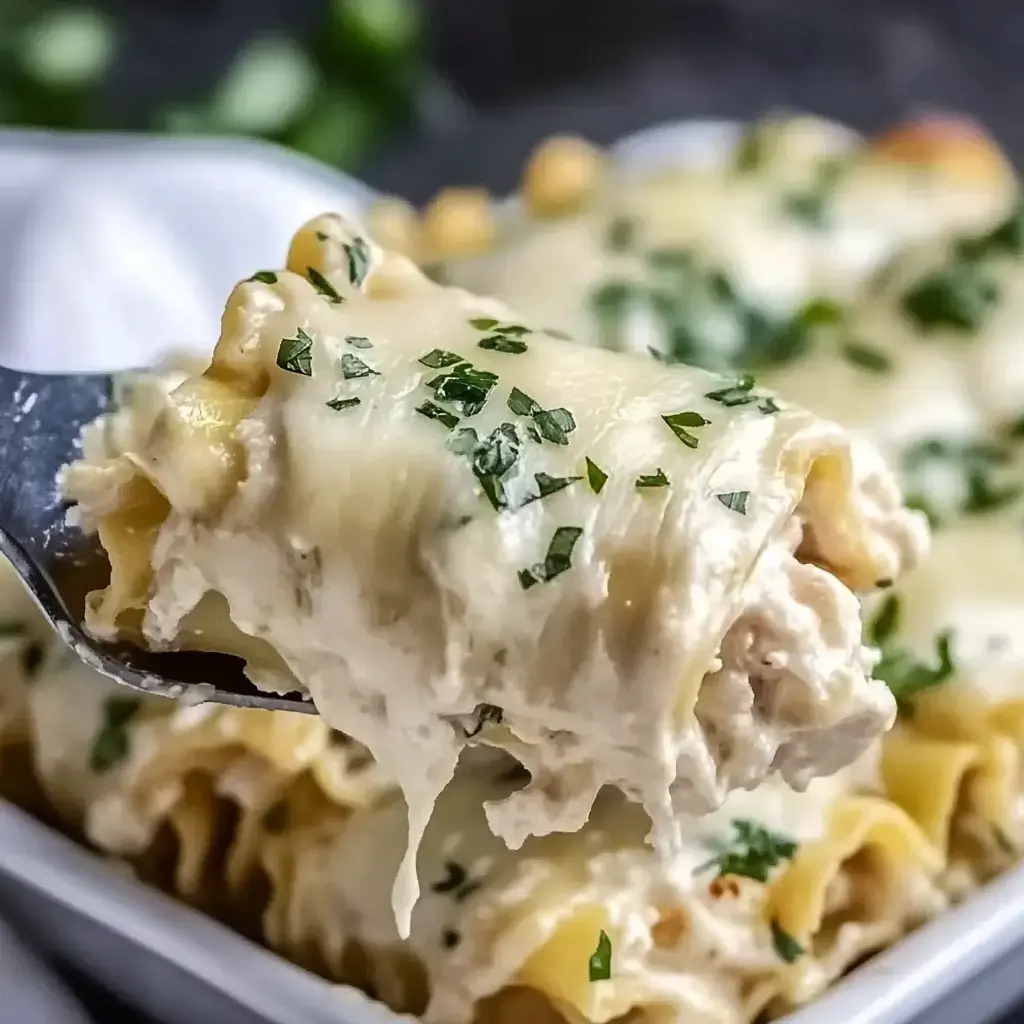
145, 239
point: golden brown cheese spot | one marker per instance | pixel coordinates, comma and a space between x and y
395, 224
952, 147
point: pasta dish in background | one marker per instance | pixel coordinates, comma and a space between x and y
874, 284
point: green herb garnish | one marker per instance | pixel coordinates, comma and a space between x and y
1005, 239
751, 150
557, 560
296, 354
547, 485
678, 423
621, 234
655, 479
264, 277
493, 457
341, 404
596, 476
352, 367
503, 343
484, 323
112, 743
555, 425
734, 394
736, 501
788, 949
899, 668
959, 297
435, 412
358, 341
866, 357
974, 468
810, 206
600, 965
752, 852
439, 358
358, 253
521, 403
11, 629
323, 286
465, 385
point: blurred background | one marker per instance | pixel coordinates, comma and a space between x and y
415, 95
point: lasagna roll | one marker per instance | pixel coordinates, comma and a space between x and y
770, 898
740, 265
120, 768
450, 527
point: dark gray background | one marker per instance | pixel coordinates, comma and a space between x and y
522, 69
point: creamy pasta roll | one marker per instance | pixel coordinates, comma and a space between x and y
115, 764
593, 926
737, 265
468, 531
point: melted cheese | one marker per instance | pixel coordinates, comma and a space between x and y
311, 457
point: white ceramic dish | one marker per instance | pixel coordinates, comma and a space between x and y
202, 216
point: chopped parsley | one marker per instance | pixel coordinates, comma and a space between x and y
866, 357
264, 277
670, 259
596, 476
456, 882
439, 358
736, 501
678, 423
944, 475
751, 150
321, 237
484, 323
12, 628
609, 303
435, 412
600, 965
655, 479
358, 341
734, 394
358, 253
111, 744
341, 404
484, 714
1005, 239
547, 485
465, 386
810, 206
556, 561
621, 234
503, 343
521, 403
353, 367
752, 852
788, 949
296, 354
959, 297
491, 458
323, 286
554, 425
899, 668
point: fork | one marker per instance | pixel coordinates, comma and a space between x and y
41, 419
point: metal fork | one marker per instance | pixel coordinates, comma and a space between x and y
41, 419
